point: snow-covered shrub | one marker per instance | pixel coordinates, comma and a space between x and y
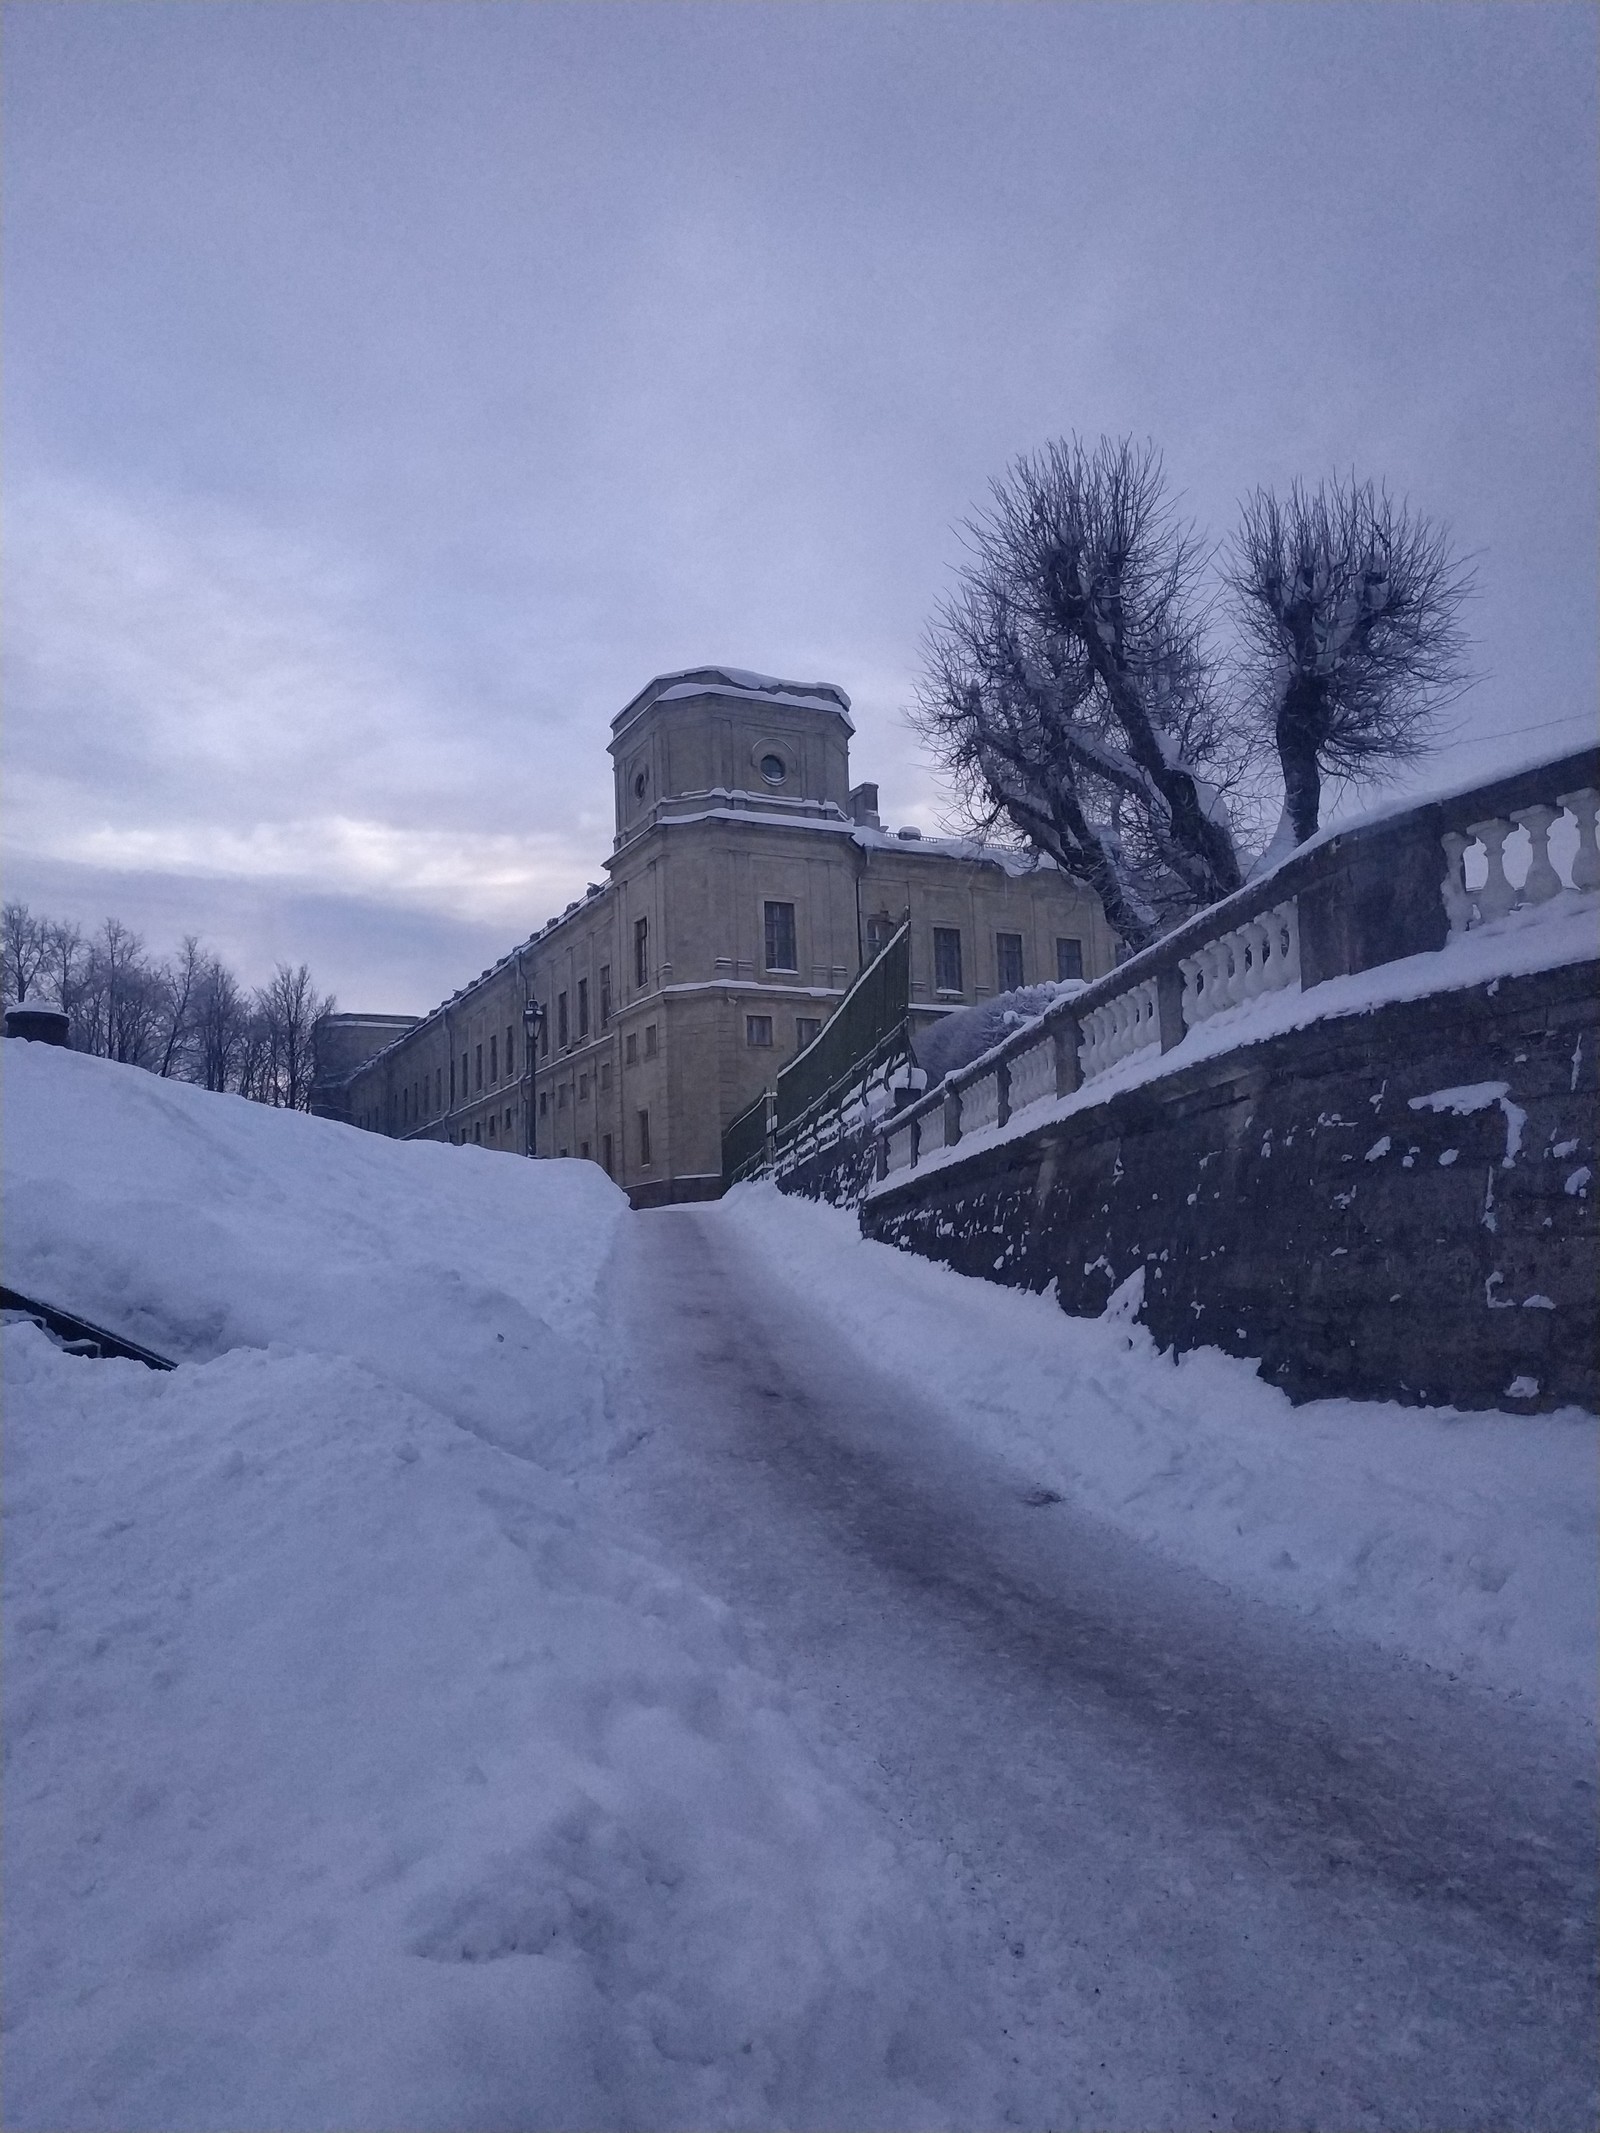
971, 1031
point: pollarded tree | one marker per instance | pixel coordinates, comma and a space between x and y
1348, 605
1068, 690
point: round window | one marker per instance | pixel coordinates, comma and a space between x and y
774, 769
639, 785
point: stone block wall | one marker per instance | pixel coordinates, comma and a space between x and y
1399, 1204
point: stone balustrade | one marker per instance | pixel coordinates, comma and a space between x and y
1483, 844
1260, 956
1350, 901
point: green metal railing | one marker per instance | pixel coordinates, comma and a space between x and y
875, 1006
865, 1041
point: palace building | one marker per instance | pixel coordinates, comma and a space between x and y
748, 883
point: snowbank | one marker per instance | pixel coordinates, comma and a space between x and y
359, 1773
1466, 1540
196, 1224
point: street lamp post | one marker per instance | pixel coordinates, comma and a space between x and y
532, 1023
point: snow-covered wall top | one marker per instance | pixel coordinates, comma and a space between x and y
737, 682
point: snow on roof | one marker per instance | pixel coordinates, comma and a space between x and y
739, 681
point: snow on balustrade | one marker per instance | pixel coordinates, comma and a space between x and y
1260, 956
1033, 1075
980, 1102
1122, 1026
900, 1145
1482, 848
932, 1123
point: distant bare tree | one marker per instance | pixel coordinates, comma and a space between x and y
62, 974
290, 1008
177, 986
1068, 689
25, 948
1348, 606
121, 995
188, 1019
221, 1019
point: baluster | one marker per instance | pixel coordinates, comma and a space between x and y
1581, 805
1289, 917
1192, 1011
1234, 952
1453, 889
1216, 976
1119, 1030
1542, 881
1254, 937
1274, 977
1497, 896
1091, 1054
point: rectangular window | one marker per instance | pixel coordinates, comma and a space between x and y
605, 995
879, 932
644, 1138
478, 1063
477, 1135
641, 952
563, 1033
544, 1036
583, 1150
633, 1048
463, 1080
1069, 959
807, 1029
780, 937
1008, 962
511, 1049
583, 1007
561, 1097
491, 1125
583, 1084
605, 1075
544, 1103
947, 959
649, 1040
758, 1029
508, 1125
605, 1154
494, 1061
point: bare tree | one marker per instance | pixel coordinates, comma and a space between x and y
25, 948
221, 1018
123, 993
1348, 607
177, 986
290, 1008
62, 974
1068, 688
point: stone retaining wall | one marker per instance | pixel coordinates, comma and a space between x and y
1323, 1202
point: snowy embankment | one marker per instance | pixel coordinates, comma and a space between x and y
322, 1695
1468, 1541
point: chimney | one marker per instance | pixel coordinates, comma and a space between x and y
864, 807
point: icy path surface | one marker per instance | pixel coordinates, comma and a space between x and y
1179, 1858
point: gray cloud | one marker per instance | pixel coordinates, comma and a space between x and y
391, 391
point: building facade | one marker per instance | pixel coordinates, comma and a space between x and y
747, 885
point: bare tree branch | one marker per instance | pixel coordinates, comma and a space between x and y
1068, 691
1348, 607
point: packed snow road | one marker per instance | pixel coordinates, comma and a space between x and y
525, 1667
1168, 1856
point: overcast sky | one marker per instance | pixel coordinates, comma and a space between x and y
391, 389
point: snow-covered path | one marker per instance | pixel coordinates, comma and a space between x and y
1168, 1856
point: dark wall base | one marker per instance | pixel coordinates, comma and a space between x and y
674, 1192
1286, 1202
